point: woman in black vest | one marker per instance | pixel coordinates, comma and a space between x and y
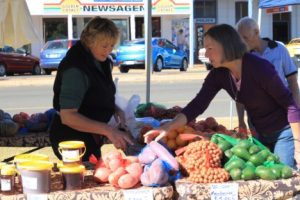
84, 91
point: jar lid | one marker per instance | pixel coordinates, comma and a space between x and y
8, 170
35, 165
2, 164
29, 157
71, 144
72, 169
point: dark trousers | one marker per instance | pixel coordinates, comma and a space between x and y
60, 133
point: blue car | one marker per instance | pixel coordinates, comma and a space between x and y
53, 52
165, 55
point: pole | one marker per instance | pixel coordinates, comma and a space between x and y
192, 32
70, 27
148, 45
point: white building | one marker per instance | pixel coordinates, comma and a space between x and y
66, 18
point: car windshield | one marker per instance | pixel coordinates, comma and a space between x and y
57, 45
137, 41
133, 42
9, 49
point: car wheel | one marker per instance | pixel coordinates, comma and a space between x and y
184, 65
2, 70
48, 71
36, 70
124, 69
158, 64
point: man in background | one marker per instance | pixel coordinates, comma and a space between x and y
273, 51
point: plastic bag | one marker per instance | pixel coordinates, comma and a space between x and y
233, 141
160, 166
127, 107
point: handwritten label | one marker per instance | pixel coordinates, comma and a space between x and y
138, 194
36, 197
227, 191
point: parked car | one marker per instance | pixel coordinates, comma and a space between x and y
18, 61
204, 60
294, 49
165, 55
53, 52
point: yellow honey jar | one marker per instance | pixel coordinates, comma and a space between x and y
36, 175
71, 151
73, 176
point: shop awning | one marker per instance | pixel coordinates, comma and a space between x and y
16, 27
276, 3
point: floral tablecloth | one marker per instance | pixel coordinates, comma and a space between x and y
254, 189
91, 191
40, 139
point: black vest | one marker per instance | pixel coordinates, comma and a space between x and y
99, 100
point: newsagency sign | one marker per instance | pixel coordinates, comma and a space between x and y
114, 7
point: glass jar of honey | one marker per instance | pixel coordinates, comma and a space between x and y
36, 176
73, 176
7, 179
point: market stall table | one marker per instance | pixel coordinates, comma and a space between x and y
10, 152
253, 189
92, 190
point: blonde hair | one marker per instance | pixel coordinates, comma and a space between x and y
99, 29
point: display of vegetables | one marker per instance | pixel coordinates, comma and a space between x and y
156, 111
160, 166
209, 126
248, 159
178, 138
119, 171
201, 162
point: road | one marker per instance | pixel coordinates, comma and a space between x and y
34, 94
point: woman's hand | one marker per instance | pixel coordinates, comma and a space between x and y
157, 134
120, 139
120, 118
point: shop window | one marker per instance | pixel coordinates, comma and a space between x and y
122, 24
55, 28
205, 9
282, 27
140, 30
241, 10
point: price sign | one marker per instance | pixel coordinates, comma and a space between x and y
228, 191
138, 194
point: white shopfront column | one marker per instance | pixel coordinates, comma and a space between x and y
250, 8
70, 27
132, 27
80, 26
192, 33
